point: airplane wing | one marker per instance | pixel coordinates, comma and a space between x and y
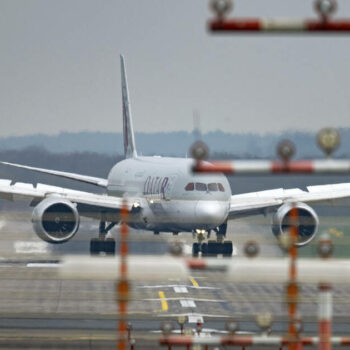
82, 178
264, 201
89, 204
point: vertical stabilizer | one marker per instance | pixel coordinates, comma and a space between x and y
128, 131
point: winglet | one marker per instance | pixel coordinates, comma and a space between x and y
128, 132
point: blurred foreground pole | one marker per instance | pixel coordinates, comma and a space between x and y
123, 283
292, 288
325, 316
270, 167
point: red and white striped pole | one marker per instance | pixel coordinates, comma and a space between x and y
325, 316
248, 341
268, 167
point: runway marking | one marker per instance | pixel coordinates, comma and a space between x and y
43, 265
187, 303
163, 301
194, 282
196, 316
175, 285
180, 289
190, 299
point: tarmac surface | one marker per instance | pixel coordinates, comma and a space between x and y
40, 310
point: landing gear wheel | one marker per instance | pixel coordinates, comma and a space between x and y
213, 248
95, 246
204, 249
98, 246
195, 249
109, 245
228, 249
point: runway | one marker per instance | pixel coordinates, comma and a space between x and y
39, 310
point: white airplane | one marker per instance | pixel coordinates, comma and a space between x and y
163, 195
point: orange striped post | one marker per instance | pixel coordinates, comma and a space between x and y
292, 288
123, 283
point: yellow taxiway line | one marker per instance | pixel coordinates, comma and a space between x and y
163, 301
194, 282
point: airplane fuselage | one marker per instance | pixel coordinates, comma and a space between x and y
173, 199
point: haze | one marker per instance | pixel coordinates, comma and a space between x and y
59, 68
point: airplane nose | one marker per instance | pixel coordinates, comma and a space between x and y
211, 212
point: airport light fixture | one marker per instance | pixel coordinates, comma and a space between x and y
325, 8
129, 328
298, 325
181, 320
328, 140
232, 326
251, 249
166, 328
285, 150
325, 246
199, 150
285, 241
221, 7
176, 248
199, 327
264, 320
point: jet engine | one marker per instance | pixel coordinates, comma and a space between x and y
55, 220
308, 222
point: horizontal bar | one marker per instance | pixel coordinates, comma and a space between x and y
142, 267
256, 167
281, 25
179, 340
238, 270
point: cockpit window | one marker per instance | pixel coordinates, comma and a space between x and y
213, 187
201, 186
221, 188
189, 186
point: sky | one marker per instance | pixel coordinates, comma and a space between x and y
59, 68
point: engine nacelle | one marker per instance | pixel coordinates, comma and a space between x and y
55, 220
308, 222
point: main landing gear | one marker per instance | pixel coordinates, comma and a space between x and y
213, 247
104, 243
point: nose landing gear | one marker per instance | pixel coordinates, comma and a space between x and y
213, 247
200, 246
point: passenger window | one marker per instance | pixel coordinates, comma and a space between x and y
221, 188
200, 186
189, 186
213, 187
